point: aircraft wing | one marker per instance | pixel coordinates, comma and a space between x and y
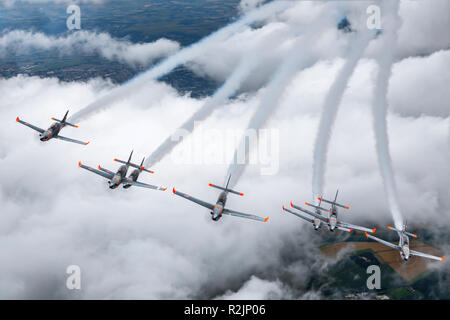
299, 215
70, 140
424, 255
315, 215
30, 125
144, 185
344, 229
244, 215
101, 173
352, 226
393, 246
197, 201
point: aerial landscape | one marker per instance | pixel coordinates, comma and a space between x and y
225, 150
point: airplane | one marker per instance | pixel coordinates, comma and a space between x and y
219, 208
316, 222
331, 220
403, 245
120, 177
53, 131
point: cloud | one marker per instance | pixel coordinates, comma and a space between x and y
140, 243
124, 51
257, 289
420, 85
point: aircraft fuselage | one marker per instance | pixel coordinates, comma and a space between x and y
133, 176
332, 219
51, 132
404, 245
216, 214
118, 178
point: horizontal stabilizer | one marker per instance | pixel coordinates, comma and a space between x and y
226, 189
142, 168
65, 123
317, 207
402, 231
333, 203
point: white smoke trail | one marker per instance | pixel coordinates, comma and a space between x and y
380, 105
181, 57
330, 107
246, 66
275, 88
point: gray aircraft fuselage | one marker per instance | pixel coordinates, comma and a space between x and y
51, 132
216, 214
332, 222
133, 176
404, 245
317, 222
119, 177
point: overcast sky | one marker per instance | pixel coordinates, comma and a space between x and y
139, 243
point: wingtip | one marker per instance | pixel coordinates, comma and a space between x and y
307, 203
443, 258
210, 184
164, 189
75, 126
241, 194
265, 220
17, 119
366, 234
116, 160
389, 227
79, 163
319, 198
86, 143
292, 205
284, 208
173, 190
374, 229
351, 230
347, 207
99, 167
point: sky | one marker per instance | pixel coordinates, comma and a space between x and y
146, 244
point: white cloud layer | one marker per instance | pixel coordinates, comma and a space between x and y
146, 244
124, 51
139, 243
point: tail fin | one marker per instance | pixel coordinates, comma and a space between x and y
64, 122
130, 164
65, 117
226, 188
129, 159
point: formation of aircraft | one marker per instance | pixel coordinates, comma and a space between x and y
120, 176
218, 209
331, 220
53, 130
403, 245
